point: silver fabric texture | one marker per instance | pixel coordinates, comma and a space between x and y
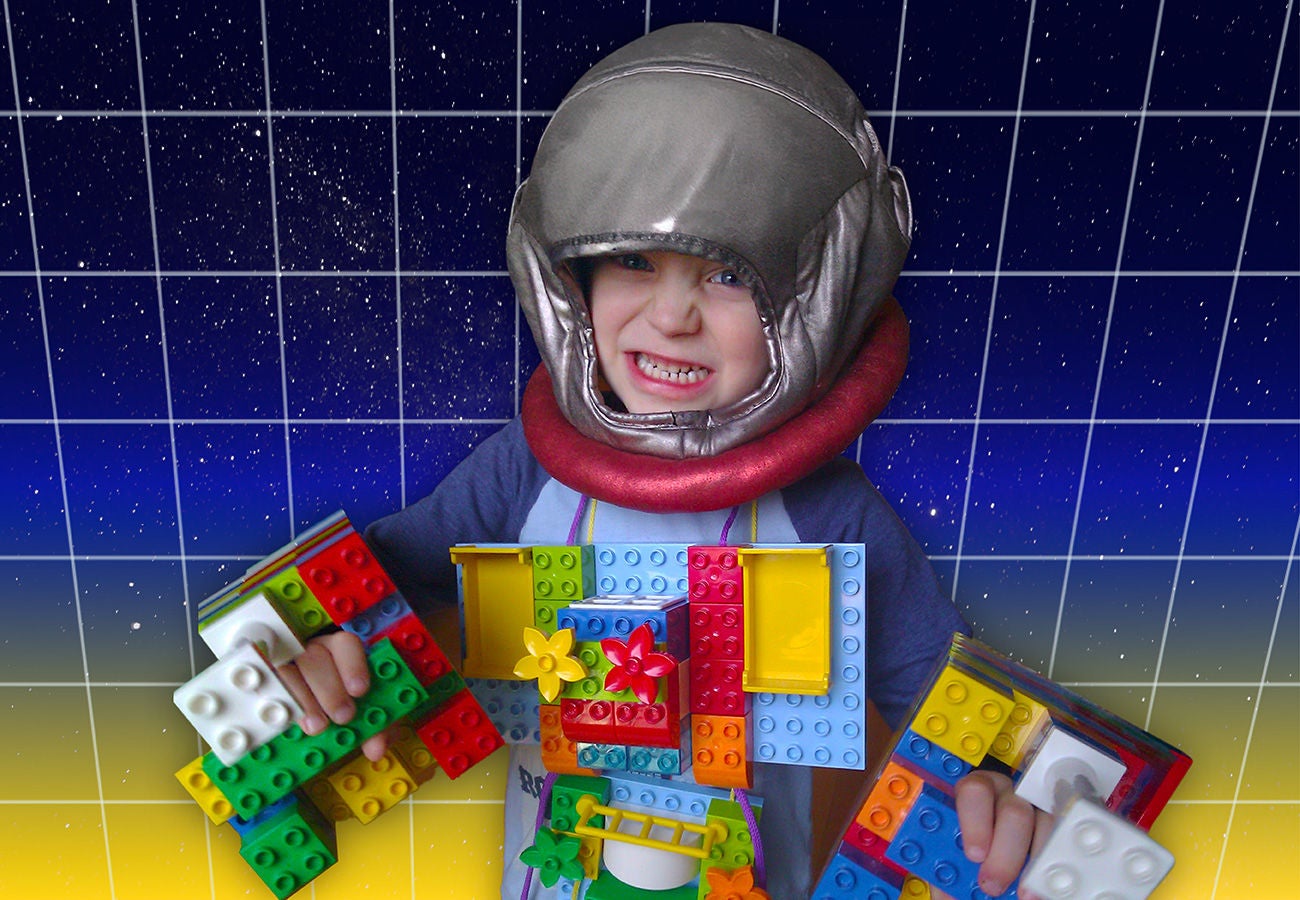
729, 143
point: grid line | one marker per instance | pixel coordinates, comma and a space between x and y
397, 288
889, 152
1105, 338
917, 113
1214, 386
279, 280
502, 273
397, 260
58, 453
993, 305
1295, 536
167, 390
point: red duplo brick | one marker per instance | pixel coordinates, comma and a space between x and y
346, 578
459, 734
714, 575
588, 721
417, 648
648, 724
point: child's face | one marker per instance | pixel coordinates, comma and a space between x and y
675, 332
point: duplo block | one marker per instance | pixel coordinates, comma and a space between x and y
291, 849
928, 845
565, 793
641, 569
714, 575
963, 714
238, 703
276, 768
254, 620
459, 735
207, 795
513, 707
1094, 853
890, 800
345, 577
564, 573
371, 787
721, 752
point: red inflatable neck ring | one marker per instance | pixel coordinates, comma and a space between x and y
775, 460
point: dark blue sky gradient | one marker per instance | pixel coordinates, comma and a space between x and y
1066, 356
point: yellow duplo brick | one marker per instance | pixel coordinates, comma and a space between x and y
370, 788
415, 756
323, 796
589, 849
914, 889
963, 714
206, 794
1021, 731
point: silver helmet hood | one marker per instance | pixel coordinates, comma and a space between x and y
728, 143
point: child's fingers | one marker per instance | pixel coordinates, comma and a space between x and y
997, 828
329, 667
1013, 833
976, 798
349, 661
375, 747
1044, 823
313, 717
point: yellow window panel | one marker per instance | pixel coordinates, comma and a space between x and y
787, 619
497, 589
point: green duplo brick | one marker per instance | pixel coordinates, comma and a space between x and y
296, 603
271, 771
546, 613
289, 851
564, 573
564, 799
738, 848
440, 692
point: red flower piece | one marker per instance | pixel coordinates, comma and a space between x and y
637, 665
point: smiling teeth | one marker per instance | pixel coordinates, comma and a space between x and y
671, 373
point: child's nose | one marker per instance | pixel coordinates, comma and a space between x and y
673, 310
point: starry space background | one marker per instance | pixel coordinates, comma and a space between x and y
252, 271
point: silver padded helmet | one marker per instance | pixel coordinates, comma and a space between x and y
729, 143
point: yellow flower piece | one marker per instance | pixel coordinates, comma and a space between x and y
548, 661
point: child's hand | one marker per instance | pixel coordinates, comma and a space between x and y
999, 830
325, 678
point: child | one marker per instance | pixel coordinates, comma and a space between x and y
705, 250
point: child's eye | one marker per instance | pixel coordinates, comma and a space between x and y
634, 261
727, 277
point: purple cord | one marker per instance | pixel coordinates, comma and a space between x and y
543, 800
760, 868
735, 510
577, 520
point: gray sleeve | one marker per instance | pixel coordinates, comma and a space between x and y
485, 499
909, 620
